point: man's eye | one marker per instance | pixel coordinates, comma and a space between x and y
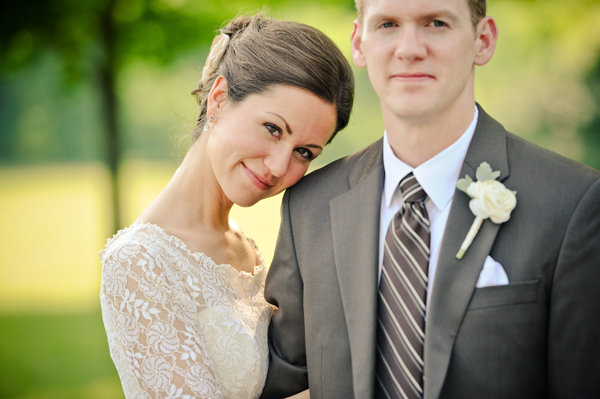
438, 24
274, 130
387, 25
305, 153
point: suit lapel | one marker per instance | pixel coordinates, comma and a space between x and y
455, 280
355, 230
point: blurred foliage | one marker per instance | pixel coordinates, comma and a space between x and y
536, 82
156, 30
591, 130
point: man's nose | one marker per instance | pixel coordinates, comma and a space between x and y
410, 45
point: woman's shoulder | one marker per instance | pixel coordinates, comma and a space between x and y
138, 258
137, 240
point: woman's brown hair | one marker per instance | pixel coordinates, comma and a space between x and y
260, 52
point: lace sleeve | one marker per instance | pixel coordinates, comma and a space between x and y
149, 317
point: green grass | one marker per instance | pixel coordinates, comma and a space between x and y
56, 356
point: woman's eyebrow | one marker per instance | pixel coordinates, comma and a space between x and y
287, 127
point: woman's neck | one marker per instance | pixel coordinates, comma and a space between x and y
192, 199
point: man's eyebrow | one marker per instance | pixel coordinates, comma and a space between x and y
287, 127
442, 13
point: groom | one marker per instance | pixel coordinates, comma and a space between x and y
517, 316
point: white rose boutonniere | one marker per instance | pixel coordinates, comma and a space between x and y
490, 199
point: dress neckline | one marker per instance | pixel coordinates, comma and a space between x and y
258, 269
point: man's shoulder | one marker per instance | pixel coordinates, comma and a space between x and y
339, 171
316, 189
539, 161
529, 162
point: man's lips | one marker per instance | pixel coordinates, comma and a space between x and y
412, 76
260, 182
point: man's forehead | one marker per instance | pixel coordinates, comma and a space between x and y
363, 6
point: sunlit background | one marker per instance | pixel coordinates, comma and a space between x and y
100, 88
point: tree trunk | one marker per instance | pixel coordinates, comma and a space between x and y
107, 72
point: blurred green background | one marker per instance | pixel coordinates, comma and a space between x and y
99, 88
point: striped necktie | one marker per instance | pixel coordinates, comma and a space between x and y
402, 297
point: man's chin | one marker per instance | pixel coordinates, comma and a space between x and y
409, 109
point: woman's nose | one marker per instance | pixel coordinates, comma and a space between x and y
278, 161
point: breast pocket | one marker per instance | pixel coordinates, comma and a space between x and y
521, 292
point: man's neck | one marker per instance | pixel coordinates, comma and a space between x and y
415, 141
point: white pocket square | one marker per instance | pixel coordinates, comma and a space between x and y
492, 274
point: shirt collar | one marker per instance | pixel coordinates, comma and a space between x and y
437, 176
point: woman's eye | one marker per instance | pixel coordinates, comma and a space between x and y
305, 153
274, 130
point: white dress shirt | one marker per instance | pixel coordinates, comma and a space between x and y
438, 177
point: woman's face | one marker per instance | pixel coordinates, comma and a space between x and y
264, 144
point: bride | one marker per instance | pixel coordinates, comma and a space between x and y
182, 287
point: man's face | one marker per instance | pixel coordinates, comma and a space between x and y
420, 54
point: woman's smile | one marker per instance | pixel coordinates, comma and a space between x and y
263, 183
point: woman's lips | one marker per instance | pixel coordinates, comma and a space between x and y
260, 182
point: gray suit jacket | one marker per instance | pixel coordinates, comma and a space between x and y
537, 337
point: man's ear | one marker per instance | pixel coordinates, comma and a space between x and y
217, 96
356, 45
487, 37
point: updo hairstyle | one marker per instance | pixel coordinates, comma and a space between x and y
255, 52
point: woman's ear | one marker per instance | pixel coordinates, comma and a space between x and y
487, 37
217, 96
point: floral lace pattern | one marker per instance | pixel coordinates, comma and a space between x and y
179, 325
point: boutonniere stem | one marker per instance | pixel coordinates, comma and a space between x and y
470, 237
489, 199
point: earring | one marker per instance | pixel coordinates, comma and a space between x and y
210, 119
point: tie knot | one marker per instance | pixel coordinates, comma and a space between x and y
411, 189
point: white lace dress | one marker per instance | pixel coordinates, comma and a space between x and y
179, 325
